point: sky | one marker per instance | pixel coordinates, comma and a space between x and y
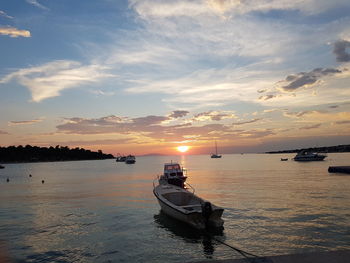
146, 76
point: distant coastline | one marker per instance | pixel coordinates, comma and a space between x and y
28, 153
324, 149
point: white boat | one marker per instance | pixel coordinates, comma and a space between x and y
215, 155
180, 203
173, 174
120, 158
130, 159
305, 156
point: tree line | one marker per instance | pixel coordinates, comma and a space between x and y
325, 149
30, 153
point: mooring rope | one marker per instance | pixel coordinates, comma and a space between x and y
250, 257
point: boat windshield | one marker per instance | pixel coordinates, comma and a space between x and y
172, 167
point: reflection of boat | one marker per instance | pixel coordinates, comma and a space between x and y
284, 159
187, 233
130, 159
215, 155
120, 158
176, 201
305, 156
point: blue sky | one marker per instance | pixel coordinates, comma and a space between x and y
147, 76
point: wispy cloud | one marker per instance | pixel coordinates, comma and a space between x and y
37, 4
3, 132
3, 14
300, 114
50, 79
157, 8
309, 127
14, 32
214, 116
246, 122
343, 122
26, 122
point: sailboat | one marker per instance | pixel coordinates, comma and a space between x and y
215, 155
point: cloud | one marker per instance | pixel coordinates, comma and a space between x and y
3, 14
300, 113
50, 79
343, 122
37, 4
112, 124
156, 128
27, 122
3, 132
309, 127
267, 97
246, 122
306, 79
340, 50
14, 32
91, 142
158, 8
178, 114
214, 116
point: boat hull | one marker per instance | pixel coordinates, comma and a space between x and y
310, 159
190, 214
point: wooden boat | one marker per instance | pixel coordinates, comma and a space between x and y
178, 202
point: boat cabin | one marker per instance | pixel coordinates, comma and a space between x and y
174, 174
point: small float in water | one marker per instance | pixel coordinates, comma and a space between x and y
284, 159
178, 202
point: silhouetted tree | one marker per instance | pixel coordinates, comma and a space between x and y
43, 154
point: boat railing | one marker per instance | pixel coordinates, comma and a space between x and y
157, 178
191, 187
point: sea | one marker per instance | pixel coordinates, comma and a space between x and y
105, 211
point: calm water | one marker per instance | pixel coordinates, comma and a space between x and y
103, 211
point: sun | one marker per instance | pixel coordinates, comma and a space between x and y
182, 148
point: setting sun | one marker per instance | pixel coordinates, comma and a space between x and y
182, 148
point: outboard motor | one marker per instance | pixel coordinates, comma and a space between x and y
206, 211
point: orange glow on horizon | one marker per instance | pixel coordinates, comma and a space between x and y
182, 148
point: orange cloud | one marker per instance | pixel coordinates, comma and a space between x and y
14, 32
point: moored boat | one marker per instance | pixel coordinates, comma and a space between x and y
130, 159
215, 155
178, 202
305, 156
284, 159
120, 158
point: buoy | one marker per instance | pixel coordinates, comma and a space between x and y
7, 180
42, 181
30, 175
